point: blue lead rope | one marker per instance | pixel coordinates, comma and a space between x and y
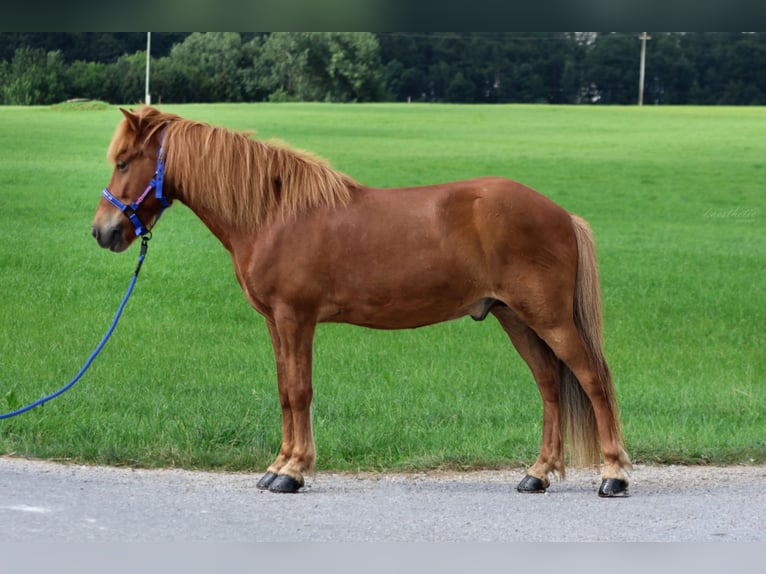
144, 246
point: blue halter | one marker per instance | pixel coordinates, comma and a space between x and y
155, 184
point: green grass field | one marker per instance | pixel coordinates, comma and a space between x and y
675, 197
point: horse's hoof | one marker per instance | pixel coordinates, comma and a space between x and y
613, 487
285, 483
266, 481
531, 484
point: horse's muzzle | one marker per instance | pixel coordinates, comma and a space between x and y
110, 238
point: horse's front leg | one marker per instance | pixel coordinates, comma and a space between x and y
293, 341
286, 448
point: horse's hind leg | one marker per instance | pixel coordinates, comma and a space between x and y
594, 378
545, 369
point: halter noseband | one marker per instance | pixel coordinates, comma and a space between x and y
155, 184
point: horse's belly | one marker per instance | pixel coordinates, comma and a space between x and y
394, 320
408, 310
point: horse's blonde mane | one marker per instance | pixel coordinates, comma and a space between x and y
244, 182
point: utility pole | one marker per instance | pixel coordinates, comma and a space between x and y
643, 37
148, 57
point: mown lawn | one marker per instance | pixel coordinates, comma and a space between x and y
675, 198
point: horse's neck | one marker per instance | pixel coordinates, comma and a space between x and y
214, 223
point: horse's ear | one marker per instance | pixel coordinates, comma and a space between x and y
131, 117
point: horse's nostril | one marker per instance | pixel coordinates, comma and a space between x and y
94, 232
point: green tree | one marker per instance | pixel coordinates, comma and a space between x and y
34, 77
355, 67
461, 89
170, 83
405, 68
571, 82
88, 80
501, 67
279, 66
704, 54
125, 79
212, 63
746, 82
101, 47
612, 63
669, 74
320, 66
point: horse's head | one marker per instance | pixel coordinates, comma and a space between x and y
134, 198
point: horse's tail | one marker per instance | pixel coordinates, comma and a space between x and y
579, 427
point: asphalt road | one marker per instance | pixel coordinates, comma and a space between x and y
72, 503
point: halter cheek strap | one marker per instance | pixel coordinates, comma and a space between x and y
155, 184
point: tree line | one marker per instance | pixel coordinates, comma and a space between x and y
564, 68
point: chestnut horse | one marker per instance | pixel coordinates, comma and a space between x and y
311, 245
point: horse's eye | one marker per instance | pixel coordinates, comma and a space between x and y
122, 165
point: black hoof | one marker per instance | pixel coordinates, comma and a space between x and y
613, 487
531, 484
266, 481
284, 483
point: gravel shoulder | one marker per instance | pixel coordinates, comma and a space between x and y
65, 502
